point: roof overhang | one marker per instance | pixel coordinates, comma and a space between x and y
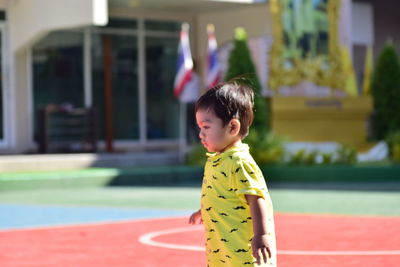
192, 6
30, 20
3, 4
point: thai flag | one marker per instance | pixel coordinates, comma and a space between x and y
213, 72
185, 62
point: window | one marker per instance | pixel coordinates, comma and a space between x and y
162, 106
165, 26
58, 76
58, 70
122, 50
121, 23
162, 114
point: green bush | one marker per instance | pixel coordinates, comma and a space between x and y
298, 157
302, 156
241, 65
311, 158
197, 156
266, 148
343, 155
327, 158
393, 141
396, 153
386, 93
269, 149
346, 155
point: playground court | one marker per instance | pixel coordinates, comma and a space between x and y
147, 226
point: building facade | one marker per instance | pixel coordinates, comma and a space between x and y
64, 52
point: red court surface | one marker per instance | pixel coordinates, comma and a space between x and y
303, 240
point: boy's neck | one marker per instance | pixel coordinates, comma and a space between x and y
234, 143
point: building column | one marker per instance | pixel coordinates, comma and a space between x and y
22, 139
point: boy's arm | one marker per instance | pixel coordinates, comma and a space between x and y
259, 243
195, 218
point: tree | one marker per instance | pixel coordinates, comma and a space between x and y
386, 93
241, 65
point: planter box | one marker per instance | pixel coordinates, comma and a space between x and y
331, 173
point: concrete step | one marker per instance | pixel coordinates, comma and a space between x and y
176, 175
56, 162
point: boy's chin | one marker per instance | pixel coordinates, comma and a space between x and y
210, 150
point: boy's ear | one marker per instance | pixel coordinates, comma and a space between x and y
234, 127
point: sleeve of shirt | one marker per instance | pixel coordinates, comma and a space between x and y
247, 179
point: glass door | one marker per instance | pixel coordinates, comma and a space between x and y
115, 85
58, 70
162, 106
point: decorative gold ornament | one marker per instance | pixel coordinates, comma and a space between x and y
323, 70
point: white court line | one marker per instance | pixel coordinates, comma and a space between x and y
148, 240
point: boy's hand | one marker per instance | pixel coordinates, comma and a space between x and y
195, 218
260, 247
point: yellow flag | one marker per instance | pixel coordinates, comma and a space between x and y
350, 85
368, 67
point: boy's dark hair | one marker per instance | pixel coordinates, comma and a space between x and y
230, 100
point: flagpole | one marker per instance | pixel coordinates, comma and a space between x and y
182, 78
182, 132
213, 71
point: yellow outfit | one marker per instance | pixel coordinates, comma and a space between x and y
228, 177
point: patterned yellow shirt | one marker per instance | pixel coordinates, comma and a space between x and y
228, 177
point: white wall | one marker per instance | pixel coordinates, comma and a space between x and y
29, 20
362, 24
3, 4
256, 20
22, 139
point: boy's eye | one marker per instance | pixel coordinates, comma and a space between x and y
206, 127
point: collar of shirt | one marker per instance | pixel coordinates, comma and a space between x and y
238, 148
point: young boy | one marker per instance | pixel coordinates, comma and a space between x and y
236, 208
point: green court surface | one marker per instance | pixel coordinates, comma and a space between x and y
285, 199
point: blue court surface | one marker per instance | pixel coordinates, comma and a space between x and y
30, 216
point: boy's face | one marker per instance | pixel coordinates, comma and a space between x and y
213, 135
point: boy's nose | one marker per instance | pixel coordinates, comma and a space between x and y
201, 134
